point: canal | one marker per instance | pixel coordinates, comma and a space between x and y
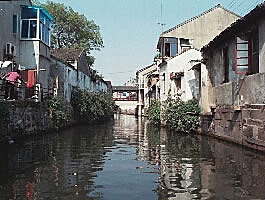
128, 159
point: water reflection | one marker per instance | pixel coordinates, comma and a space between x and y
129, 159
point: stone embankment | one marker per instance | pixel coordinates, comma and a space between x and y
243, 125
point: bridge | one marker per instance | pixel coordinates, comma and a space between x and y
126, 97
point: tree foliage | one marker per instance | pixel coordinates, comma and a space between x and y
71, 29
92, 106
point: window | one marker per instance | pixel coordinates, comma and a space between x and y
35, 24
243, 57
28, 23
45, 27
185, 44
247, 53
170, 45
14, 24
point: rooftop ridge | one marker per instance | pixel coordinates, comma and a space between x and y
196, 17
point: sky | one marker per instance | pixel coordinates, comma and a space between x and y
130, 29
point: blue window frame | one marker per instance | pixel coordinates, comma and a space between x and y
35, 24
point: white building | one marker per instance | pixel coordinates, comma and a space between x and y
178, 78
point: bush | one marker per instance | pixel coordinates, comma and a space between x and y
60, 111
153, 112
91, 106
182, 116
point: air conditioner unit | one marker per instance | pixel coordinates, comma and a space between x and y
10, 49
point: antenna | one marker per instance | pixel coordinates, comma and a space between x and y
161, 23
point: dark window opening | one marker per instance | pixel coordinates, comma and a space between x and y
185, 44
29, 13
25, 29
14, 24
178, 84
33, 28
226, 64
255, 51
170, 47
167, 49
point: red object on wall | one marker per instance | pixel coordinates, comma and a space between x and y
29, 77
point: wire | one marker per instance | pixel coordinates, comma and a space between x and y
252, 6
121, 72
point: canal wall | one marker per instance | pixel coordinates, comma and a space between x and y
20, 118
23, 118
237, 112
244, 125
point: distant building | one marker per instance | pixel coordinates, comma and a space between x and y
126, 98
142, 78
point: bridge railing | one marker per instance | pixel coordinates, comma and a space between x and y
125, 99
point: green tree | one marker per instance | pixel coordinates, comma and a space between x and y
71, 29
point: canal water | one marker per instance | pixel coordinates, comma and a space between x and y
128, 159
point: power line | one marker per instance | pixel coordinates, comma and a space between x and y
231, 2
252, 6
121, 72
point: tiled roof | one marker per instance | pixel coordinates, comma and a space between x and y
67, 54
124, 88
196, 17
140, 70
244, 23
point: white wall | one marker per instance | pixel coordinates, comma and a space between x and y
190, 80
